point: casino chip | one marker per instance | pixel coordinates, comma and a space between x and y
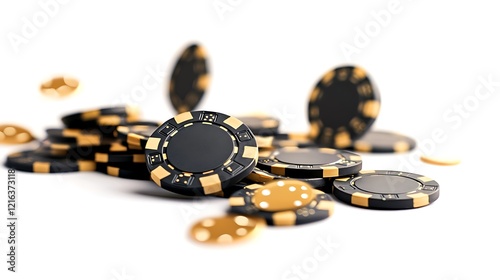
284, 140
226, 230
112, 116
311, 163
383, 189
189, 79
135, 135
261, 176
78, 137
137, 171
261, 124
201, 153
13, 134
384, 142
283, 203
342, 107
30, 161
59, 86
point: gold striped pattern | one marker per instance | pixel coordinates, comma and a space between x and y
211, 184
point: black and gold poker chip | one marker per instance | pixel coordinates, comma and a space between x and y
260, 176
383, 189
30, 161
384, 142
135, 135
260, 124
311, 162
189, 79
201, 153
283, 203
342, 107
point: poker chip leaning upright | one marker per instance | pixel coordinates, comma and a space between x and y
342, 107
383, 189
189, 79
283, 203
201, 153
311, 163
31, 161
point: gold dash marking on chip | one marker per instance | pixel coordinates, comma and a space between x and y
41, 167
419, 199
183, 117
211, 184
153, 143
233, 122
158, 174
360, 199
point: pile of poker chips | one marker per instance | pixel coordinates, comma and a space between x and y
270, 177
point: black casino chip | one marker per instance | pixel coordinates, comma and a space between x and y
342, 107
311, 163
260, 176
189, 79
136, 171
384, 142
381, 189
261, 125
201, 153
31, 161
283, 140
320, 207
135, 135
101, 117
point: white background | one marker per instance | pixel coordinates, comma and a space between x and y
427, 59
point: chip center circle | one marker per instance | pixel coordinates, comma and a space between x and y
387, 184
307, 157
339, 104
199, 148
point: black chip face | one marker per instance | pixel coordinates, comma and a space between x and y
201, 153
342, 107
189, 79
383, 189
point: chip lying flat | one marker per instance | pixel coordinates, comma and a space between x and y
383, 189
14, 134
226, 230
298, 206
59, 86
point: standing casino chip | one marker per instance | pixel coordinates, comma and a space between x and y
283, 203
342, 107
31, 161
382, 189
311, 162
384, 142
201, 153
189, 79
